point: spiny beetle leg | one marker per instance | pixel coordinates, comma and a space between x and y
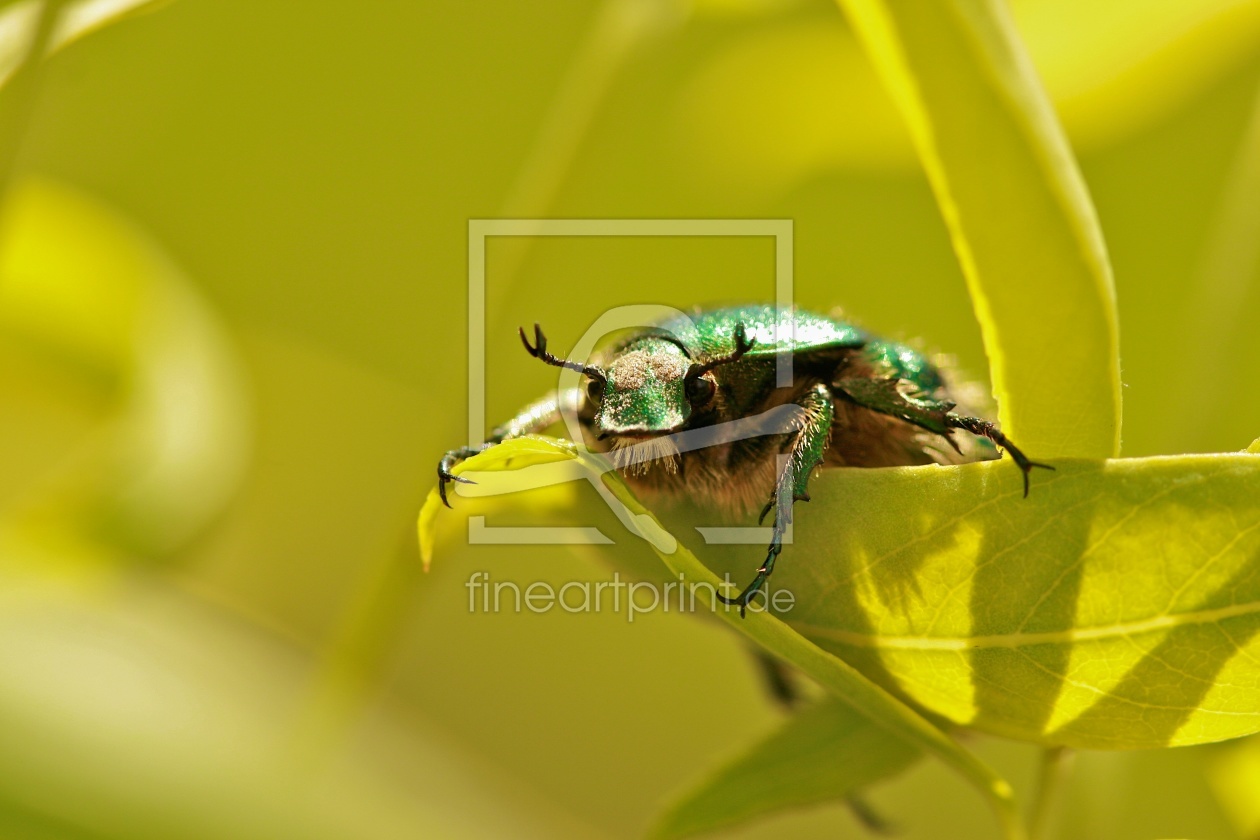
809, 444
984, 428
750, 591
799, 497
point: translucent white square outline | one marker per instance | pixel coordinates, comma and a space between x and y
781, 230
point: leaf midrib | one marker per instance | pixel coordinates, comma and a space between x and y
1018, 640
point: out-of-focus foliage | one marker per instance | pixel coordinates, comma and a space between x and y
801, 97
90, 306
135, 712
819, 755
311, 173
1235, 775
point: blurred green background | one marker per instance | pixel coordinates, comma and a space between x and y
233, 347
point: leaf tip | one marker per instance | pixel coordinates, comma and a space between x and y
426, 527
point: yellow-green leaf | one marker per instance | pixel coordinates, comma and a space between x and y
19, 23
84, 17
1017, 210
821, 755
1116, 607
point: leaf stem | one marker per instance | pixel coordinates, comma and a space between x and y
350, 665
1053, 769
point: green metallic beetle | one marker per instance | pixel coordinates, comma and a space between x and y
854, 401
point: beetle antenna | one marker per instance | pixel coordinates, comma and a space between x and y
742, 345
539, 351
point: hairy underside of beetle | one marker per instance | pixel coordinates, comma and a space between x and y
738, 477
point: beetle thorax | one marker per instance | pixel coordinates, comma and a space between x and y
632, 371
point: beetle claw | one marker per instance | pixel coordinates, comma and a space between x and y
445, 474
1027, 467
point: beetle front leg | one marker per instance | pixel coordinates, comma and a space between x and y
984, 428
530, 420
808, 446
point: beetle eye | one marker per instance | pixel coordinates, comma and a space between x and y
594, 391
700, 390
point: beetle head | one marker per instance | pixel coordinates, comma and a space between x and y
649, 387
